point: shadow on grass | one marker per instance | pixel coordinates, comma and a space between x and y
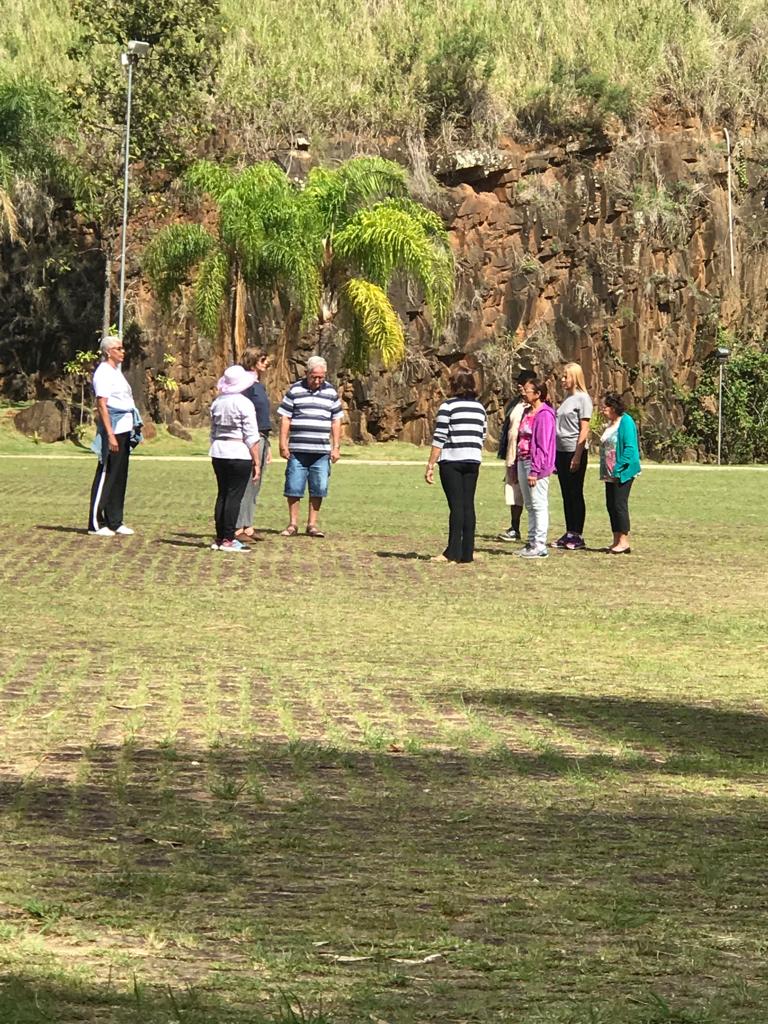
689, 738
62, 529
235, 872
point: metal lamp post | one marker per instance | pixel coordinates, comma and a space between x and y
722, 354
134, 51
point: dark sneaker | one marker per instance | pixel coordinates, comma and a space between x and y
562, 542
575, 543
509, 534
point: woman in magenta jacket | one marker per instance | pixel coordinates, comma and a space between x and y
535, 464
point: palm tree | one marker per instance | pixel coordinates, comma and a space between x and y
329, 249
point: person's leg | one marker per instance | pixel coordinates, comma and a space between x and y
469, 477
515, 515
220, 471
563, 470
113, 492
453, 488
238, 471
578, 507
610, 504
296, 473
621, 501
319, 475
245, 512
540, 507
94, 507
522, 479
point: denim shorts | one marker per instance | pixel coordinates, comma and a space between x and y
305, 466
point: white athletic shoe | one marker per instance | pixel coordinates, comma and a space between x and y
125, 531
103, 532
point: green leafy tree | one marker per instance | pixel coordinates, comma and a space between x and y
32, 128
171, 90
330, 250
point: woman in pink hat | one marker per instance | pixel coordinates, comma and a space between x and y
234, 452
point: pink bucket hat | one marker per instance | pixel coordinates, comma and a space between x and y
235, 380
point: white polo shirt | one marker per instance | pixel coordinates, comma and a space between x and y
109, 383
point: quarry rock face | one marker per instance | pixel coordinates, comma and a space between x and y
612, 251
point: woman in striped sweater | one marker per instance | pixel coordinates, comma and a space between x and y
457, 446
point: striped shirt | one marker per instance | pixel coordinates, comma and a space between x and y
311, 414
460, 430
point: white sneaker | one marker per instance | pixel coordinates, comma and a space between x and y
125, 531
103, 532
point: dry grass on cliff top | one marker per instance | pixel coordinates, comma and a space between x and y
393, 65
335, 782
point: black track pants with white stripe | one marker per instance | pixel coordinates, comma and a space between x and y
108, 490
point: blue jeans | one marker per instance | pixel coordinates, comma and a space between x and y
303, 466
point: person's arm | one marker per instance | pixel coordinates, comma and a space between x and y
336, 436
434, 455
106, 419
285, 428
250, 429
581, 444
439, 438
627, 449
542, 445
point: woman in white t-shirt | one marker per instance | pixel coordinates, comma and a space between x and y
573, 416
117, 421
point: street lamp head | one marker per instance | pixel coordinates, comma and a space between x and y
138, 48
722, 354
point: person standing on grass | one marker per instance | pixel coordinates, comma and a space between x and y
457, 447
310, 432
118, 430
573, 416
257, 362
619, 465
234, 453
535, 465
508, 451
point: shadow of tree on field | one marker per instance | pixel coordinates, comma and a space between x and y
62, 529
695, 737
269, 863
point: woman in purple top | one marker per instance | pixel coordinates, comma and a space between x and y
535, 464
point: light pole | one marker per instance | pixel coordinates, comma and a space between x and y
133, 52
722, 354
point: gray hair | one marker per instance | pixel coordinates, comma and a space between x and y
314, 362
109, 342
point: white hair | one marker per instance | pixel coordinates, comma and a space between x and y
109, 342
314, 362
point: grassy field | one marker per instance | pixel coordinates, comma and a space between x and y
333, 782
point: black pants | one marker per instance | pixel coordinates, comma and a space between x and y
459, 480
109, 483
232, 477
572, 490
617, 503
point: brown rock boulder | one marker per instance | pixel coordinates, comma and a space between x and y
47, 421
176, 430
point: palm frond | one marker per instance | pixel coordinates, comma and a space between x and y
386, 239
211, 291
172, 254
375, 325
355, 184
208, 178
294, 267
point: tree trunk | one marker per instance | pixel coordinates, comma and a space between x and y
240, 336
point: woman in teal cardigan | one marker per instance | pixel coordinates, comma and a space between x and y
619, 465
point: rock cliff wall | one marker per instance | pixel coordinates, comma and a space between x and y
613, 252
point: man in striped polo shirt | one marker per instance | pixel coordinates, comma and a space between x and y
310, 431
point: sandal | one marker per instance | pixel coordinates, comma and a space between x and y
312, 531
290, 531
